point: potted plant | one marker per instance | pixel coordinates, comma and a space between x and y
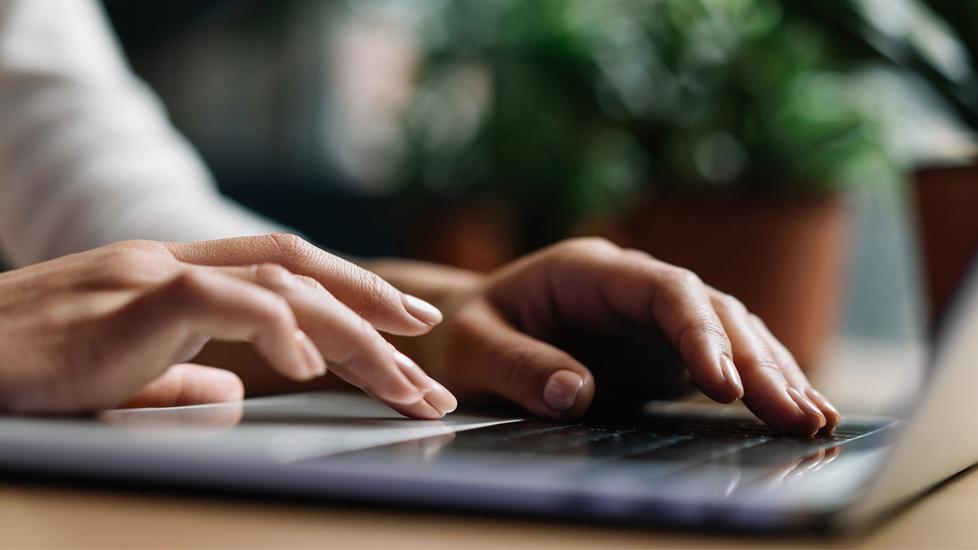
945, 192
720, 136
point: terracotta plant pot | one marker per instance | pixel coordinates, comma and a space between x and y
474, 234
947, 218
785, 259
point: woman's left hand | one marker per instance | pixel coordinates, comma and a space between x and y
540, 331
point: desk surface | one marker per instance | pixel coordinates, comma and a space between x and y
55, 517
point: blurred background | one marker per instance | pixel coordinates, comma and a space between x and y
786, 150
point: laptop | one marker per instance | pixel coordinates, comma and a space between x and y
676, 463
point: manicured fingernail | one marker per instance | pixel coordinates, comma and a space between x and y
827, 408
315, 364
441, 399
561, 390
806, 406
731, 375
413, 372
421, 310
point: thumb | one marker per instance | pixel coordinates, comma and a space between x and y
188, 384
529, 372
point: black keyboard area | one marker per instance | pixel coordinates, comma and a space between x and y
650, 457
660, 439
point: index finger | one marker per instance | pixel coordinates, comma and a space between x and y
366, 293
644, 291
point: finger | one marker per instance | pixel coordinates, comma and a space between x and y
373, 298
682, 309
437, 402
794, 375
189, 384
436, 396
510, 364
353, 348
641, 290
766, 390
169, 324
441, 399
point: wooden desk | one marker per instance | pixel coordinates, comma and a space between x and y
33, 516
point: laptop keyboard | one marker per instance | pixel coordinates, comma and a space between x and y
654, 454
671, 439
675, 438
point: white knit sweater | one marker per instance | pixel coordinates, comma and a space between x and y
87, 154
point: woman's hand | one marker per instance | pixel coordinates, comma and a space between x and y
114, 326
540, 331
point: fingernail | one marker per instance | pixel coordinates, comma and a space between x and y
806, 406
441, 399
421, 310
413, 372
561, 390
315, 364
730, 374
824, 405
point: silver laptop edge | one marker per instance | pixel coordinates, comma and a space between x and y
940, 437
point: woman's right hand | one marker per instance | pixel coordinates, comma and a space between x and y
114, 326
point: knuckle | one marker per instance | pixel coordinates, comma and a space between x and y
365, 333
123, 259
730, 304
138, 245
187, 288
756, 320
363, 341
760, 361
274, 276
711, 329
701, 329
588, 246
126, 265
638, 255
683, 278
310, 282
290, 246
120, 268
788, 358
768, 365
375, 293
277, 309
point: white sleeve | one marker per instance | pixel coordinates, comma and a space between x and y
87, 154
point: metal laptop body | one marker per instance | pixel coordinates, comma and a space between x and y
678, 464
682, 464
